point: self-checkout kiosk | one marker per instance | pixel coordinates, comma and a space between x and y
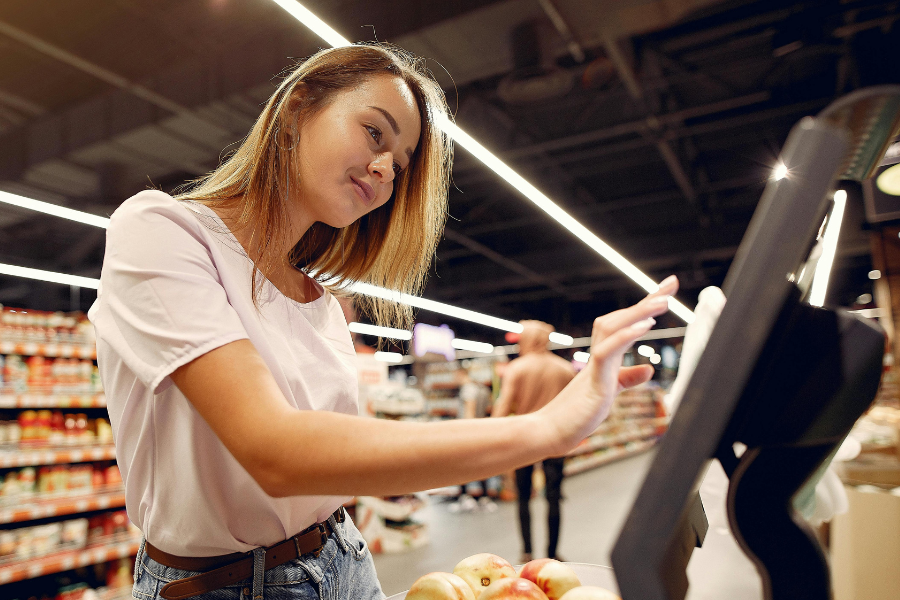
785, 379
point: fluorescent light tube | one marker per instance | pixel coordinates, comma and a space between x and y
318, 26
434, 306
54, 209
581, 357
561, 339
389, 357
461, 344
829, 247
645, 350
385, 332
85, 282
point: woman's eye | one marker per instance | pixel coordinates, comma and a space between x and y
397, 169
375, 133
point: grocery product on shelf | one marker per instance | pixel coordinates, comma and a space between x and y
61, 494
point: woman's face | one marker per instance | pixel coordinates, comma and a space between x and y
351, 151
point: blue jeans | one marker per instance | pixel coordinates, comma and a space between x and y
343, 570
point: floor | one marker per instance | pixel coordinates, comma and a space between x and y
596, 503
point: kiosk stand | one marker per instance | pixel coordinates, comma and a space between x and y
785, 379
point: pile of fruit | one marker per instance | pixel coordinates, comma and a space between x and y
490, 577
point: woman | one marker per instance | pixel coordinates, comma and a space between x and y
229, 369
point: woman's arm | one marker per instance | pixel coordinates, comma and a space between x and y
290, 452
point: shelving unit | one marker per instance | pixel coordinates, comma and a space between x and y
70, 559
32, 457
38, 507
50, 386
634, 425
49, 350
8, 401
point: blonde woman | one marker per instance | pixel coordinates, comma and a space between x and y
228, 365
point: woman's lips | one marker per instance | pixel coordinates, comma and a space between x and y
365, 191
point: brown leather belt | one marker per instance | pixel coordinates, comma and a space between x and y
228, 569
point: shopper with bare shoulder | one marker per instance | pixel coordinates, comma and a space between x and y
530, 382
228, 366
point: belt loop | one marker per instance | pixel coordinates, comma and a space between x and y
259, 572
339, 534
138, 565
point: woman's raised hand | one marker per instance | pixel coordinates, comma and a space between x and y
577, 411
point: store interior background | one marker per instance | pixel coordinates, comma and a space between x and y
655, 123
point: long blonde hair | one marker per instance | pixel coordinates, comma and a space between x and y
393, 245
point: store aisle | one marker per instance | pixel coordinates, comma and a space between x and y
595, 504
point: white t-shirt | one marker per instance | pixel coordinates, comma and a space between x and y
176, 284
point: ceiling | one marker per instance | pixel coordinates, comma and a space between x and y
654, 122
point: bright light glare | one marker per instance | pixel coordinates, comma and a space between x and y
389, 357
561, 339
655, 359
645, 350
53, 209
385, 332
434, 306
85, 282
461, 344
889, 181
779, 172
318, 26
581, 357
875, 274
829, 247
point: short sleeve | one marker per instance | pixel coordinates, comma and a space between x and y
161, 301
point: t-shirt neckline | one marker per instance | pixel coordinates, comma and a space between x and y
305, 305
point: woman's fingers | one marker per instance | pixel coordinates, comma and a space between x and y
653, 305
636, 375
620, 341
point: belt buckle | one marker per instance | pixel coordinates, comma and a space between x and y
323, 535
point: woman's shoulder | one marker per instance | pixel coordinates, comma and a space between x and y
147, 210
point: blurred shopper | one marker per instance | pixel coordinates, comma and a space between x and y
475, 400
228, 366
530, 382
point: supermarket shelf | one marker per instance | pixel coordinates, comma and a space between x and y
600, 443
70, 559
20, 457
586, 464
49, 350
52, 401
39, 509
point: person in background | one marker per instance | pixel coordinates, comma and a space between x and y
475, 401
529, 383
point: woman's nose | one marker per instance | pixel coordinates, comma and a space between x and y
383, 167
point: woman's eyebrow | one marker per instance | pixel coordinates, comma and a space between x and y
393, 123
390, 119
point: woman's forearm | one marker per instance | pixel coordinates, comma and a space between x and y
328, 453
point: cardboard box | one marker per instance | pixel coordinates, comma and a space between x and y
865, 546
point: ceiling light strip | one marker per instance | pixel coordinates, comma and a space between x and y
53, 209
50, 276
434, 306
328, 34
377, 330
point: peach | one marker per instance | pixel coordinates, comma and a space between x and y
589, 592
553, 577
513, 588
440, 586
481, 570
